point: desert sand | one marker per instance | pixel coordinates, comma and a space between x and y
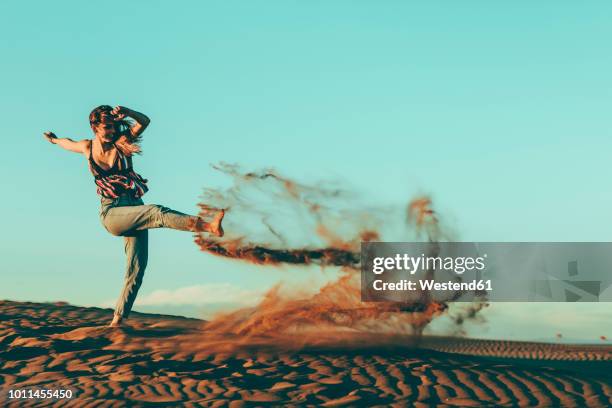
172, 361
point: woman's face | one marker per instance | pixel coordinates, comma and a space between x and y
105, 129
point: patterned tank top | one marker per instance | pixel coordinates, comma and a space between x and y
120, 179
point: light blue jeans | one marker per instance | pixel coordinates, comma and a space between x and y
130, 218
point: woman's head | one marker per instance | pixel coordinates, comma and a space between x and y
103, 123
110, 129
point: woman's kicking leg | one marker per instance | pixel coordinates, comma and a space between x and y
121, 220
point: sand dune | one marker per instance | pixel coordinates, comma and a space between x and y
174, 361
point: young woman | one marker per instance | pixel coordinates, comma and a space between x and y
117, 132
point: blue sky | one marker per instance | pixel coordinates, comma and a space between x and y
499, 111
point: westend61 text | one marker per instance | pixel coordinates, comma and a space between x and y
429, 285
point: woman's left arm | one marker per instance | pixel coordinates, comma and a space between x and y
142, 120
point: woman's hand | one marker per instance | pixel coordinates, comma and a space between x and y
50, 136
142, 120
120, 112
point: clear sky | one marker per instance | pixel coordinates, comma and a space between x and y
500, 111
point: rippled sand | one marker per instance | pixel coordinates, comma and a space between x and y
176, 362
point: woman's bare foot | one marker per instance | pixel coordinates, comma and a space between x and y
116, 321
214, 227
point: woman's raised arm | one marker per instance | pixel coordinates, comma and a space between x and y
80, 146
142, 120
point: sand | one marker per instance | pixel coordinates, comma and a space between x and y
162, 360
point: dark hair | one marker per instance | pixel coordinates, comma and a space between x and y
124, 139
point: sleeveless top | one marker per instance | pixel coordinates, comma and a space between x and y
120, 179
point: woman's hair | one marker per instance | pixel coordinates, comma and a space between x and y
124, 140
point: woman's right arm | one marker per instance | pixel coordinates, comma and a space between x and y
78, 147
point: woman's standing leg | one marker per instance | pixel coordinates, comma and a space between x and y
136, 252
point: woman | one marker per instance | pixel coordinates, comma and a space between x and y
117, 132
